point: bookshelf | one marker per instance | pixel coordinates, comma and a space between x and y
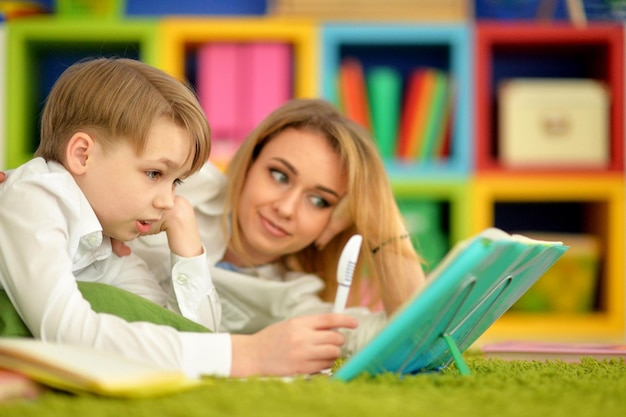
557, 50
471, 187
40, 48
568, 199
405, 47
181, 38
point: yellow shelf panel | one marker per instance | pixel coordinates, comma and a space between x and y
604, 196
607, 327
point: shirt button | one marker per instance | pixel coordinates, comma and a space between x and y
182, 279
93, 240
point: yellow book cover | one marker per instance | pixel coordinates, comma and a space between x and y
84, 370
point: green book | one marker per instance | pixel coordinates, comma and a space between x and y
384, 86
437, 117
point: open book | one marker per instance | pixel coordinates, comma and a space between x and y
84, 370
475, 283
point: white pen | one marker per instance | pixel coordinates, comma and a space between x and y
345, 271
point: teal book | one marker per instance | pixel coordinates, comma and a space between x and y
437, 117
476, 282
384, 86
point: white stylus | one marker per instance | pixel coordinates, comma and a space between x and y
345, 271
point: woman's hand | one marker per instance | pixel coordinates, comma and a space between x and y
302, 345
339, 221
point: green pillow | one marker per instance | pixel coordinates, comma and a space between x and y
104, 299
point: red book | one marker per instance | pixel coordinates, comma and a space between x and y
415, 113
353, 92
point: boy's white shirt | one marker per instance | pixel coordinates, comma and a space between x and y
50, 238
255, 298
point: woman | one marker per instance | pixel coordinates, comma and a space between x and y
305, 180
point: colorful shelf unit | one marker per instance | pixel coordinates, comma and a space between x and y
405, 47
38, 49
444, 205
556, 50
181, 38
555, 203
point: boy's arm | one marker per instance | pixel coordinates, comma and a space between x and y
183, 270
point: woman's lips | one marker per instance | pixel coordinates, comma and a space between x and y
273, 229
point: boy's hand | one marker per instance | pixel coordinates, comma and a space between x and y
119, 248
340, 220
302, 345
3, 176
179, 223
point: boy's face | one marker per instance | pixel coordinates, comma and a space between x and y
129, 192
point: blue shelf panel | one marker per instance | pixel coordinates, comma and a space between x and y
404, 47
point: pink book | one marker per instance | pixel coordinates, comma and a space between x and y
542, 351
217, 82
266, 76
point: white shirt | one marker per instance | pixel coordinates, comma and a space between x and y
252, 299
50, 238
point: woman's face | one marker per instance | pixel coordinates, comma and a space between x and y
289, 194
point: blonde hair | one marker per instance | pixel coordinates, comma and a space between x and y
117, 99
370, 199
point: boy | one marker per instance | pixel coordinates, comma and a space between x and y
117, 136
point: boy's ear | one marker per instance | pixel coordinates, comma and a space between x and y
79, 149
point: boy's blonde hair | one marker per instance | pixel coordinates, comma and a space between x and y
370, 199
116, 99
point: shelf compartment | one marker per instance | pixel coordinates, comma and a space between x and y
449, 196
180, 39
558, 50
405, 47
40, 48
558, 203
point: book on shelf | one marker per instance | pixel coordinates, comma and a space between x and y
239, 84
413, 113
266, 82
478, 280
384, 87
79, 369
218, 87
353, 99
437, 119
543, 351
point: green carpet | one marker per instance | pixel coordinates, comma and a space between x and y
495, 388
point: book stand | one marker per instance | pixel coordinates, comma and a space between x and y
472, 287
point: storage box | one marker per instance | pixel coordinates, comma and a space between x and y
555, 123
570, 285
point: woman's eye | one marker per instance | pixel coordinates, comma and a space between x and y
320, 202
278, 176
153, 175
178, 182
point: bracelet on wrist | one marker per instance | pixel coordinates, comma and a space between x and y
388, 241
